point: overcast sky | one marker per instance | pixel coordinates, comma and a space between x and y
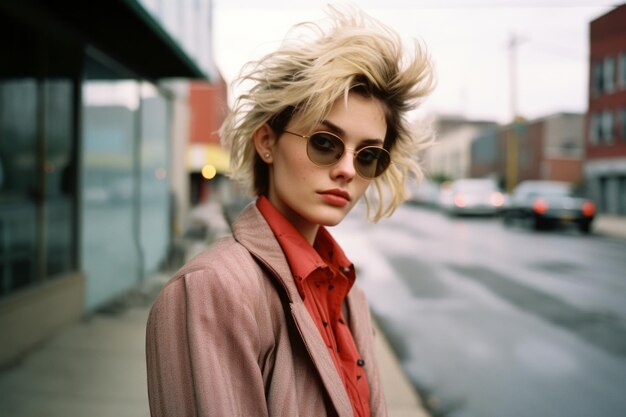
466, 39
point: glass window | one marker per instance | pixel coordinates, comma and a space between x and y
608, 74
594, 131
155, 206
621, 75
622, 193
607, 127
125, 207
37, 153
623, 123
60, 178
597, 75
109, 253
19, 183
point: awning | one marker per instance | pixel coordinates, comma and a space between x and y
122, 29
201, 155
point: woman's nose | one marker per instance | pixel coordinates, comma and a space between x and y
344, 168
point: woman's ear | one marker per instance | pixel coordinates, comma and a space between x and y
264, 140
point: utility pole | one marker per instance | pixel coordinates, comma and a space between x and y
512, 139
514, 41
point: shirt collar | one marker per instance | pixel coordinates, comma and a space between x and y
303, 258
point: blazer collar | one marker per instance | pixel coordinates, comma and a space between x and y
252, 231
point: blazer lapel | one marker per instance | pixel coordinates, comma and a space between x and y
252, 231
362, 327
321, 358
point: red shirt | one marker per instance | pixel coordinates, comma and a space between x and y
323, 277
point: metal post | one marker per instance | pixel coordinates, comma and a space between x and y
512, 139
137, 173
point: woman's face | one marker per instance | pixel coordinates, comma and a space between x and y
310, 195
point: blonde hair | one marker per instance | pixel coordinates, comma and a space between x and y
306, 75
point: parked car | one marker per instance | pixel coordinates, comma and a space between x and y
472, 196
548, 203
424, 193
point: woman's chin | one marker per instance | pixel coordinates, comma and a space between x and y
330, 216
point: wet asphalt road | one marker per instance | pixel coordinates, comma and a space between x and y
491, 321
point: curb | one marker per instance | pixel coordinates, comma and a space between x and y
610, 225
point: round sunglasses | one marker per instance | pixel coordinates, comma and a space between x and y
326, 149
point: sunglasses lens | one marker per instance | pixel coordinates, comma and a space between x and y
324, 148
372, 161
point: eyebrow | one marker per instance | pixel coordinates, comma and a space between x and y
340, 132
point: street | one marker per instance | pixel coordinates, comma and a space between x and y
489, 321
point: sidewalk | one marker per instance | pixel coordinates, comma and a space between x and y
96, 367
610, 225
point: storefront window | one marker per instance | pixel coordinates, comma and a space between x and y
155, 205
126, 210
109, 253
60, 178
19, 185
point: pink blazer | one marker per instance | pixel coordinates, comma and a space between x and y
230, 336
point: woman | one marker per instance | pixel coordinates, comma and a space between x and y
268, 322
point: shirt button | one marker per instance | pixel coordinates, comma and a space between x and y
360, 362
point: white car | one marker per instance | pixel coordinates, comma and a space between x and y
472, 196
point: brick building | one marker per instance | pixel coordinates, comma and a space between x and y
549, 148
605, 167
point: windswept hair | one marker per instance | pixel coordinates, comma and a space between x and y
309, 72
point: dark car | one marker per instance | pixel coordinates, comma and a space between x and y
548, 203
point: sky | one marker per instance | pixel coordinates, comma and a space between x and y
467, 40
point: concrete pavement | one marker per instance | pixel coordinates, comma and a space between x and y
96, 367
610, 225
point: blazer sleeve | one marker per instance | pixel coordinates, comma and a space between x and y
202, 349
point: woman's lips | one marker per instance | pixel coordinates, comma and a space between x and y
338, 198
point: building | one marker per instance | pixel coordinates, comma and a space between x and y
450, 155
94, 122
605, 167
549, 148
488, 154
561, 137
207, 161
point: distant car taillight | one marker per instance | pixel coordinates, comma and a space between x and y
589, 209
540, 206
497, 199
459, 200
